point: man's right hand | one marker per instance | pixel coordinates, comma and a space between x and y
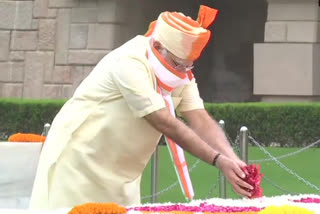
234, 174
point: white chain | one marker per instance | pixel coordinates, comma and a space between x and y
286, 155
161, 192
284, 167
214, 187
272, 158
277, 186
172, 185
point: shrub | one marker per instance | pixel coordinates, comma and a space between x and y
25, 115
290, 124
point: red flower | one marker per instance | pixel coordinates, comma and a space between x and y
254, 177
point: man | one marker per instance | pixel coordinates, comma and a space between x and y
103, 137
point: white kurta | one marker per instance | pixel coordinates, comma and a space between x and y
99, 143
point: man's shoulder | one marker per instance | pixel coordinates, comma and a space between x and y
135, 46
134, 51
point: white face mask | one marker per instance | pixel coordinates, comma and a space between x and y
169, 76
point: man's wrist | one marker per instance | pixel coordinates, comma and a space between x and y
215, 159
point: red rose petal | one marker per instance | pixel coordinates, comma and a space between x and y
254, 177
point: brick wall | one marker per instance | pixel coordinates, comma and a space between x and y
47, 47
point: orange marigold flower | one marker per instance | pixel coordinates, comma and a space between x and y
25, 137
98, 208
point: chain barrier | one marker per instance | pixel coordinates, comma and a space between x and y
194, 165
172, 185
213, 188
286, 155
284, 167
277, 186
236, 145
161, 192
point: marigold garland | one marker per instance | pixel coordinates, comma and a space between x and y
285, 209
113, 208
98, 208
26, 137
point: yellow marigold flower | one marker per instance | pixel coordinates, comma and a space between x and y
98, 208
285, 209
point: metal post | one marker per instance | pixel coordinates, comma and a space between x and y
244, 140
222, 178
46, 128
154, 176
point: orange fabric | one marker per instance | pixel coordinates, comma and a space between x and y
164, 86
190, 75
175, 156
179, 166
151, 28
184, 26
199, 45
181, 35
206, 16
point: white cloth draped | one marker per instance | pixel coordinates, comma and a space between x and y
18, 165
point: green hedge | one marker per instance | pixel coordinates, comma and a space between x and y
27, 116
290, 124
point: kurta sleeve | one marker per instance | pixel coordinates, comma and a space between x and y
191, 99
134, 81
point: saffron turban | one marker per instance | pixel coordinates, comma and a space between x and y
181, 35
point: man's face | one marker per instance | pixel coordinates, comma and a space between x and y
177, 63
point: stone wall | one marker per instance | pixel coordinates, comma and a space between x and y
286, 65
47, 47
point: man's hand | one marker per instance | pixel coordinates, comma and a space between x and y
189, 140
228, 162
234, 174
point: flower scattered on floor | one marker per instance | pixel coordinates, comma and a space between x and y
308, 200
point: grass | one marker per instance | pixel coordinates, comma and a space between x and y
204, 177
